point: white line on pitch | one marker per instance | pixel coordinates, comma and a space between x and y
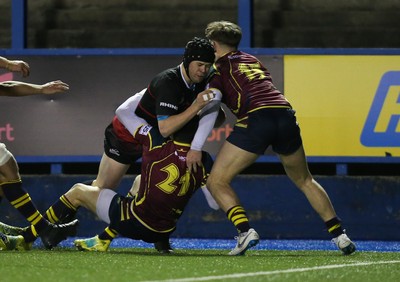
265, 273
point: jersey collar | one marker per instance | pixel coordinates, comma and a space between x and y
183, 77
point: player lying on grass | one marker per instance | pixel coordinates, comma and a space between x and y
163, 168
119, 138
15, 240
165, 188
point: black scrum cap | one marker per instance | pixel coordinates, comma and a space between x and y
198, 49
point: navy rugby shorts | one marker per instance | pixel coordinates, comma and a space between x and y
276, 127
130, 227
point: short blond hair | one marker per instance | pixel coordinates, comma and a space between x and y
224, 32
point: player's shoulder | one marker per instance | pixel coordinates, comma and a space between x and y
169, 73
168, 76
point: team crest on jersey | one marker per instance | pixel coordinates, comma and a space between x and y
144, 130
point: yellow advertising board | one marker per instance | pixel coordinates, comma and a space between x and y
346, 105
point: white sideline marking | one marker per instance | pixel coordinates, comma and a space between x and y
264, 273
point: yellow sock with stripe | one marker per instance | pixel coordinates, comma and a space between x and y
21, 200
237, 215
334, 227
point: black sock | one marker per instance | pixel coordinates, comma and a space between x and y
108, 234
21, 200
61, 210
334, 226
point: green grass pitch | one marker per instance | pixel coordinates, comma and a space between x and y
145, 264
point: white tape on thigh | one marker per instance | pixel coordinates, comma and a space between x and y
103, 204
5, 155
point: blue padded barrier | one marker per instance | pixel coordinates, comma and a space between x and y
368, 206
